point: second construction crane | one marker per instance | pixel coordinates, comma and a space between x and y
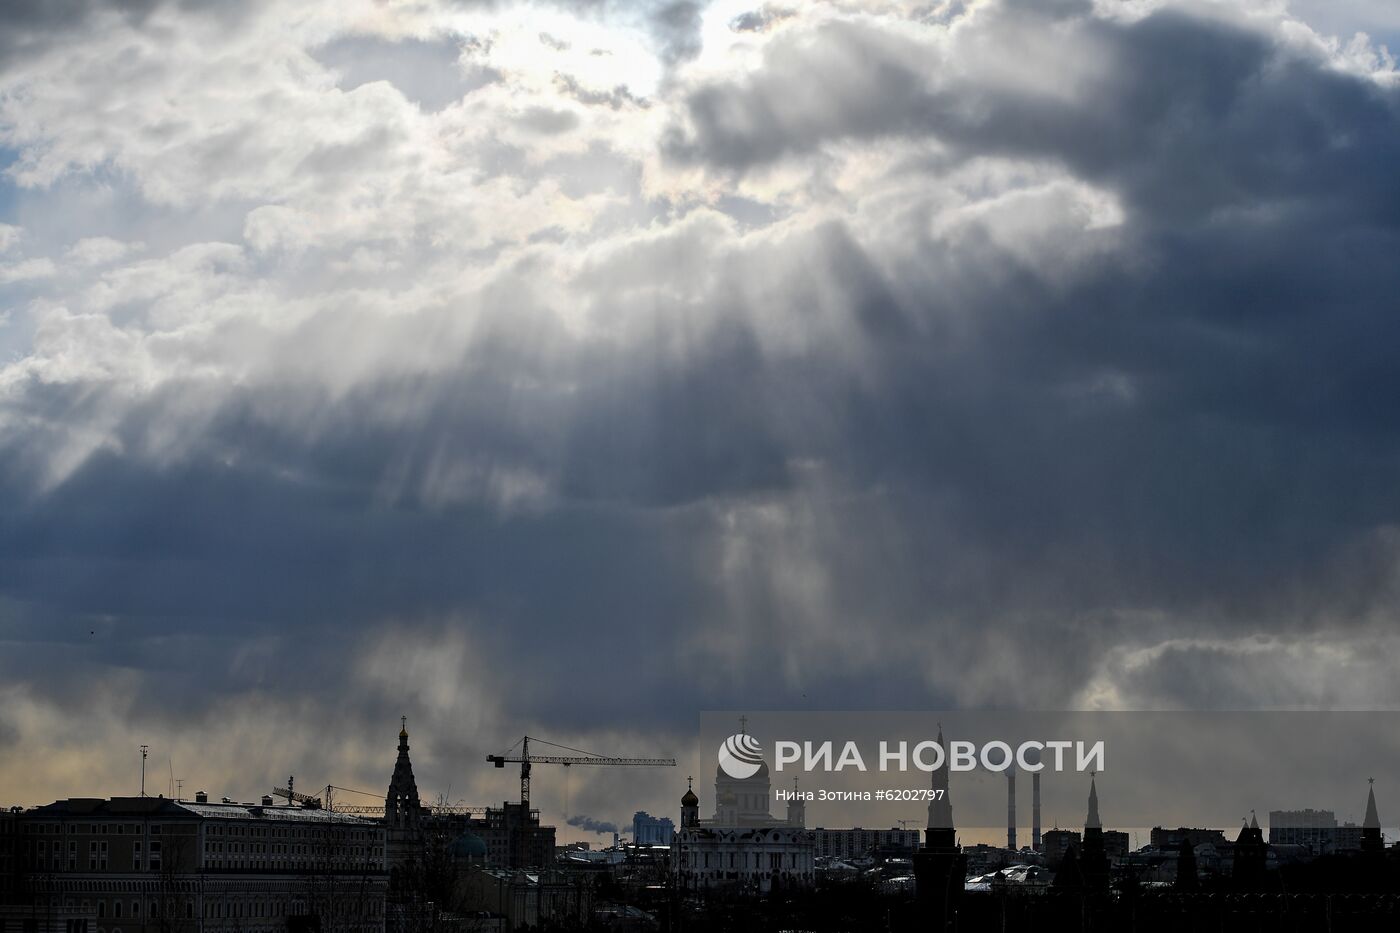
579, 757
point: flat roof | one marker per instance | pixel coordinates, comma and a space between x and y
125, 807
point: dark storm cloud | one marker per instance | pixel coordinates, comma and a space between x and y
29, 27
1189, 433
1188, 117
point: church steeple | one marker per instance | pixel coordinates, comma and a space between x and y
402, 806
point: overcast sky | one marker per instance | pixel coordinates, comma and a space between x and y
572, 368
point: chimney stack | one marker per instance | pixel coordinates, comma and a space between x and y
1035, 811
1011, 808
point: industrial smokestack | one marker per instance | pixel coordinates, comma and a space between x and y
1035, 811
1011, 809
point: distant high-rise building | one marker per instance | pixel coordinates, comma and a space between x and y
648, 830
1316, 829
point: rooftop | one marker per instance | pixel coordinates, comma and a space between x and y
163, 807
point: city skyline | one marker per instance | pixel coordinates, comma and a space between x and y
979, 795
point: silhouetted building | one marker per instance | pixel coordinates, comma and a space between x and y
1187, 879
1250, 857
857, 842
152, 865
403, 814
514, 837
1056, 843
1166, 839
939, 867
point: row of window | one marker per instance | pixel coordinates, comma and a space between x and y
775, 859
91, 829
278, 848
278, 832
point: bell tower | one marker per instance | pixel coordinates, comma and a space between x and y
403, 811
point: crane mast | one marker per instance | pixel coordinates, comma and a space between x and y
519, 832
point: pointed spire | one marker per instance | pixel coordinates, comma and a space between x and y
1092, 820
1373, 817
402, 804
1253, 820
940, 808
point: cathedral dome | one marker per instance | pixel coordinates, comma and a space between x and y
468, 846
690, 800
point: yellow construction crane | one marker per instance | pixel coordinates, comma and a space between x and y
580, 757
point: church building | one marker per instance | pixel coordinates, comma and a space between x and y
742, 847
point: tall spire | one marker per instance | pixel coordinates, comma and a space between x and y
402, 805
940, 808
1092, 820
1371, 840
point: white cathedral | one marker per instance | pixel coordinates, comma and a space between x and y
743, 846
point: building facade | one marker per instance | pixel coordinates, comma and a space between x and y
152, 865
858, 843
1316, 829
742, 848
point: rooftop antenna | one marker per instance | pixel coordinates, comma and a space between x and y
144, 750
179, 788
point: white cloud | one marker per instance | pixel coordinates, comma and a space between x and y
25, 270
